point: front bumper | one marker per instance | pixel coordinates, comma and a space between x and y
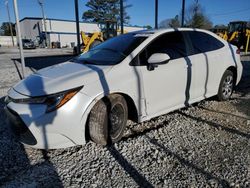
62, 128
19, 129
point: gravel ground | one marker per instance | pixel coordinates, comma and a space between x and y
205, 145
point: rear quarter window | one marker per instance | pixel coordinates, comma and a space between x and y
203, 42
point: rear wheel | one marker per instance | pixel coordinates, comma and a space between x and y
226, 86
107, 120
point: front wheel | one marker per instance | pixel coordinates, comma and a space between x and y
107, 120
226, 86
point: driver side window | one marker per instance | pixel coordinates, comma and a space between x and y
171, 43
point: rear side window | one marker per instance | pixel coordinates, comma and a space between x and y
203, 42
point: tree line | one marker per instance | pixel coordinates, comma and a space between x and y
6, 26
101, 11
109, 10
195, 17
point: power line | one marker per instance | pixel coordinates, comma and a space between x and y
231, 13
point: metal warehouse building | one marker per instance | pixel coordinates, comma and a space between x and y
63, 31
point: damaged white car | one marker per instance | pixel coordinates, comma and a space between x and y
137, 76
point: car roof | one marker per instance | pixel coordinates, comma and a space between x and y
155, 31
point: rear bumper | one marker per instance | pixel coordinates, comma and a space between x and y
239, 71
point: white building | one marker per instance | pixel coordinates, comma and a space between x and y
63, 31
7, 40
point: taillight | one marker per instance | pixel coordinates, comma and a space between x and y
238, 51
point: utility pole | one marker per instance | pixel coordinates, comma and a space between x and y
77, 28
11, 31
44, 22
19, 37
183, 13
156, 14
121, 15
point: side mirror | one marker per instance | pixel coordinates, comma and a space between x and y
158, 58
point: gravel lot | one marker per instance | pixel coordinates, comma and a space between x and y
205, 145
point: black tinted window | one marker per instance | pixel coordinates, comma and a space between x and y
123, 43
112, 51
171, 43
203, 42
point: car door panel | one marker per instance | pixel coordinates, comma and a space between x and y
170, 84
165, 86
206, 63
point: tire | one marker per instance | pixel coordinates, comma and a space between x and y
107, 120
94, 44
226, 86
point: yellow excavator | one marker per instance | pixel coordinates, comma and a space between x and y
238, 34
219, 30
248, 39
90, 40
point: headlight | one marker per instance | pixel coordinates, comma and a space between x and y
53, 101
56, 101
35, 100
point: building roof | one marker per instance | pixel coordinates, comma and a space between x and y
55, 19
40, 18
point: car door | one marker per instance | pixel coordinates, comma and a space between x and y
206, 63
167, 85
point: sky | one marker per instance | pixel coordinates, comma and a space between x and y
141, 12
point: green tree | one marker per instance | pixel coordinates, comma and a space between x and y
6, 28
126, 17
170, 23
174, 22
105, 10
197, 18
164, 23
148, 27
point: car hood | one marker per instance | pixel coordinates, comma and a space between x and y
59, 78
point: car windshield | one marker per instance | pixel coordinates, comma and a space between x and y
112, 51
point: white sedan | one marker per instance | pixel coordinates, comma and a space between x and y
137, 76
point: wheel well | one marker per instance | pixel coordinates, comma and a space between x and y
132, 111
234, 71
